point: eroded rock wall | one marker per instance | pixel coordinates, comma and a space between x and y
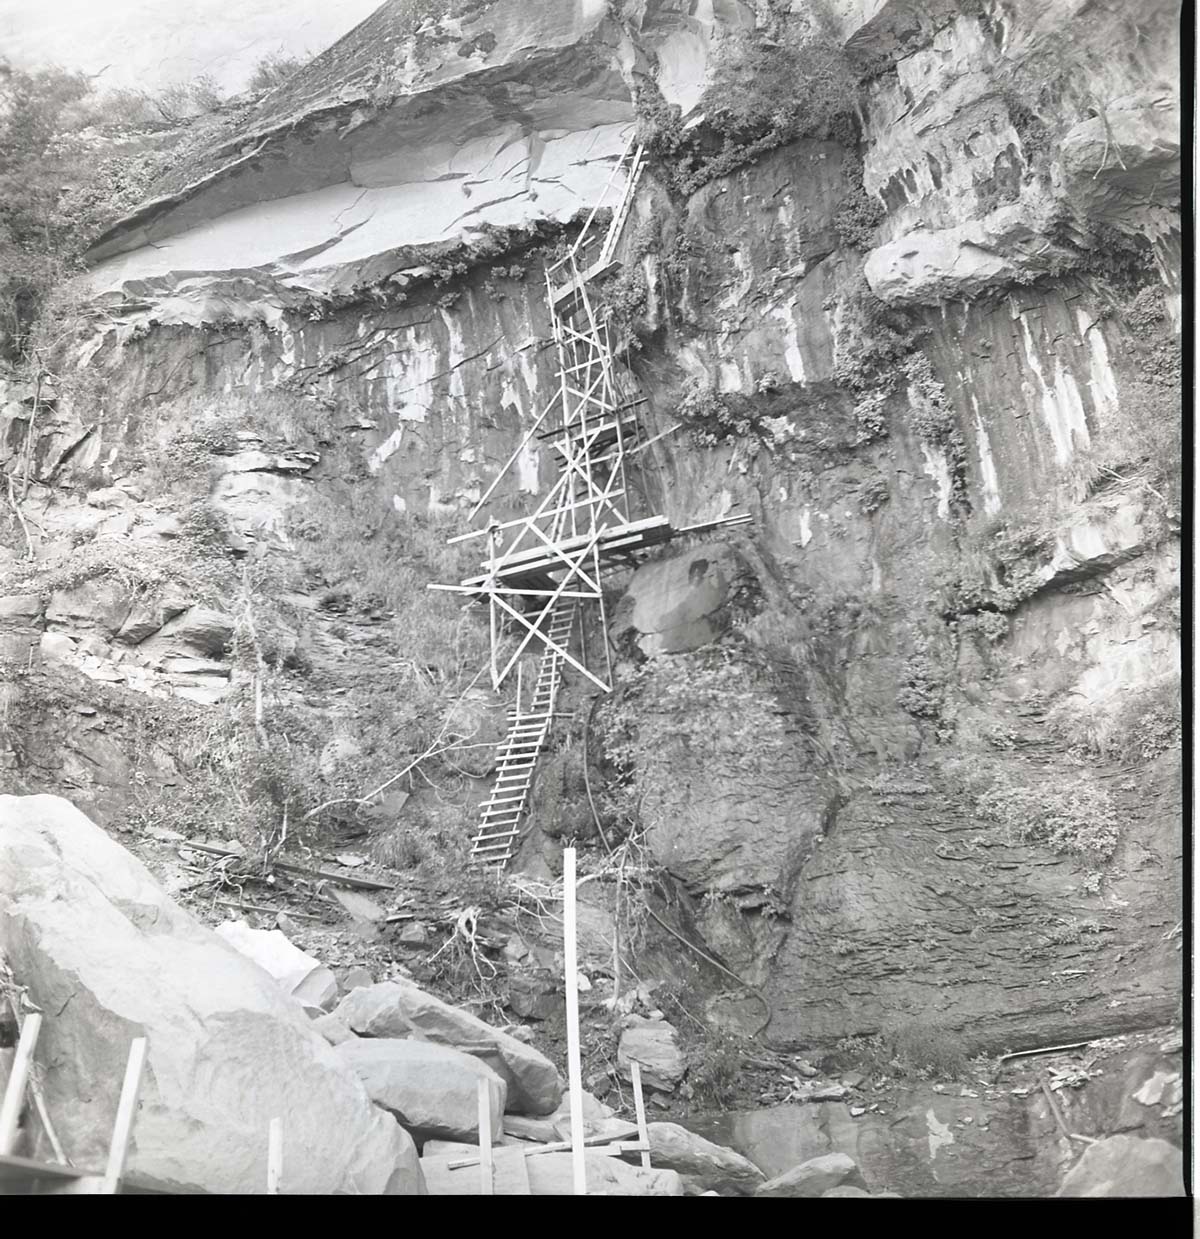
857, 880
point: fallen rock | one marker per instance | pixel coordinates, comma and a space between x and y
414, 934
201, 628
598, 1120
703, 1165
683, 601
26, 607
356, 978
362, 908
332, 1029
1126, 1166
431, 1089
813, 1178
99, 605
302, 976
533, 996
398, 1009
448, 1148
654, 1044
1162, 1085
552, 1174
845, 1191
88, 930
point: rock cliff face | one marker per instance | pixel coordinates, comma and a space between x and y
951, 421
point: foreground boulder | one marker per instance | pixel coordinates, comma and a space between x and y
704, 1166
598, 1120
1126, 1166
100, 947
814, 1177
549, 1174
398, 1009
431, 1089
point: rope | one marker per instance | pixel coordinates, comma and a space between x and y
673, 932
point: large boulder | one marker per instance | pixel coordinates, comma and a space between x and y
1126, 1166
682, 602
814, 1178
432, 1089
110, 957
399, 1009
1008, 245
703, 1165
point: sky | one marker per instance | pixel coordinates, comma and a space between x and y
151, 44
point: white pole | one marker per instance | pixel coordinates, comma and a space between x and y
635, 1070
14, 1094
574, 1071
274, 1156
487, 1182
118, 1150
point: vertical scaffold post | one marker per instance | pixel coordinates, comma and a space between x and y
574, 1071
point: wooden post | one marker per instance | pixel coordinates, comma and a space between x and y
14, 1094
118, 1149
487, 1182
574, 1071
274, 1156
635, 1069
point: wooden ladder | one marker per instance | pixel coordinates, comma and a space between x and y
634, 159
30, 1176
517, 753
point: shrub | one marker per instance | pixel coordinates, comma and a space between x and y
1073, 817
927, 1050
714, 417
856, 218
764, 91
922, 691
713, 1072
712, 707
871, 337
272, 71
873, 493
911, 1050
1151, 723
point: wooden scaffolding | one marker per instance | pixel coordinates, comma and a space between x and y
544, 569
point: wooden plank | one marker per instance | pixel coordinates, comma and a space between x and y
366, 884
274, 1156
118, 1149
22, 1169
608, 1145
639, 1102
574, 1068
18, 1080
487, 1174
